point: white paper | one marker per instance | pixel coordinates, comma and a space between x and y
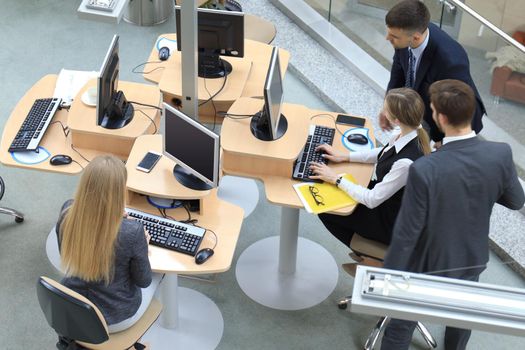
70, 82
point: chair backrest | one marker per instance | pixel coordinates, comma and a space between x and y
367, 247
70, 314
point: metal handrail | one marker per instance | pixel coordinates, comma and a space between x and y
488, 24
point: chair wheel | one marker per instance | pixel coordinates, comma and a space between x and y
342, 305
19, 219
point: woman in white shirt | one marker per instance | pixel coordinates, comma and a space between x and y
380, 201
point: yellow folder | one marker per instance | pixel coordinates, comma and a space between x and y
322, 197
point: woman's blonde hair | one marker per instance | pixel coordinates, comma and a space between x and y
406, 105
90, 227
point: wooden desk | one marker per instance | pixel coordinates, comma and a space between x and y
87, 138
54, 140
167, 75
288, 281
221, 217
272, 162
259, 29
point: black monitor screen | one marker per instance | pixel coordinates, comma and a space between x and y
219, 31
191, 145
113, 110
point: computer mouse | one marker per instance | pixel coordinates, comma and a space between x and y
60, 159
357, 138
203, 255
164, 53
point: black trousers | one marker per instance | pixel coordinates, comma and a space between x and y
398, 333
367, 222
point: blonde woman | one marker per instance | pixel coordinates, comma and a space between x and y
104, 255
381, 200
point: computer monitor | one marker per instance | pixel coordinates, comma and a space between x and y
219, 33
113, 110
269, 124
193, 147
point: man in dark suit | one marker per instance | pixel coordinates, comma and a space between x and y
443, 223
425, 54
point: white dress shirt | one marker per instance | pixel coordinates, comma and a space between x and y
458, 138
392, 182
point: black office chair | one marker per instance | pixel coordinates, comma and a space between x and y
365, 248
80, 324
19, 217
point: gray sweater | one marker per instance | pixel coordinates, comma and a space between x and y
121, 298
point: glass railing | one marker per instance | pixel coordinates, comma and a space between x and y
483, 28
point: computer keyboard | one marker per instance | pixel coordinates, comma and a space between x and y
168, 233
35, 125
316, 136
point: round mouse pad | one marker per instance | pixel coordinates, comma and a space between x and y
353, 146
31, 157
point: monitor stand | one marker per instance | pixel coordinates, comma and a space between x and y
119, 113
260, 127
211, 66
189, 180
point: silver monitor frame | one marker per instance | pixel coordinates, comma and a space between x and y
275, 64
114, 42
216, 142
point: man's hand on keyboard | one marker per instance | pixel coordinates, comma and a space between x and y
331, 154
323, 172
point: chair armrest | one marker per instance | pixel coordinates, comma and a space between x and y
500, 75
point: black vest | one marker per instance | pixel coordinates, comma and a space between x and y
389, 209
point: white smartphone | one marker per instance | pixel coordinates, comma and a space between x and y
148, 162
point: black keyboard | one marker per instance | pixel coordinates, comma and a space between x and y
35, 125
316, 136
168, 233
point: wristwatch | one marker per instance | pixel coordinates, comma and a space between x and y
338, 181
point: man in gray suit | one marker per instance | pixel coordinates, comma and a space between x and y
443, 224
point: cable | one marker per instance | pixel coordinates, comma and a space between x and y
218, 92
152, 121
145, 104
65, 129
134, 69
77, 163
216, 238
211, 99
331, 117
189, 220
235, 116
80, 154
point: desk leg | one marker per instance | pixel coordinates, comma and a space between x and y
169, 296
287, 272
288, 240
240, 191
189, 319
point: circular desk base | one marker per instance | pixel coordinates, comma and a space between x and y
314, 280
200, 325
52, 251
239, 191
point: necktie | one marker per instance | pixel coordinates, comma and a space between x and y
409, 81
